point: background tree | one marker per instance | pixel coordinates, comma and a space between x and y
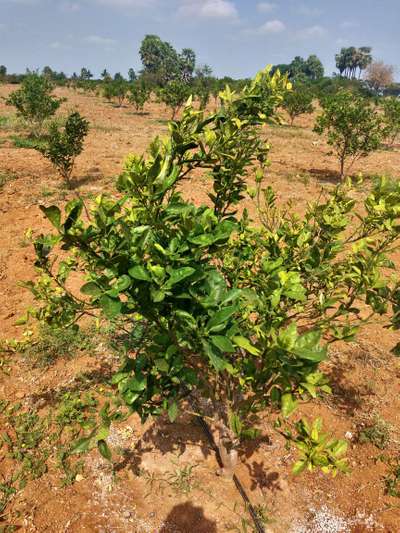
131, 75
105, 76
160, 60
35, 102
63, 144
85, 75
352, 124
379, 76
352, 60
3, 72
116, 90
391, 117
174, 95
139, 93
314, 68
298, 102
187, 63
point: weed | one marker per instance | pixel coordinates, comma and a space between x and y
24, 439
54, 343
392, 481
246, 525
75, 410
5, 177
377, 433
26, 142
182, 480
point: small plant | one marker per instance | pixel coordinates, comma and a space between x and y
317, 449
174, 95
34, 102
77, 411
353, 127
181, 479
377, 433
298, 102
139, 93
391, 118
392, 480
26, 438
64, 144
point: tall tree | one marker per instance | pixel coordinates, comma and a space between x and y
187, 60
352, 60
314, 69
159, 58
3, 72
85, 74
131, 75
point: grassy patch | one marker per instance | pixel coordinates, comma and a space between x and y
53, 343
5, 177
378, 433
26, 142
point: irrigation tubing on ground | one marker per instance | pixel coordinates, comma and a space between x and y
259, 527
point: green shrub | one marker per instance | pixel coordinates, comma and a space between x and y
139, 94
237, 314
64, 144
298, 102
174, 95
353, 127
391, 118
34, 102
115, 90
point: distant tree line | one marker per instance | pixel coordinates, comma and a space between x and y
163, 64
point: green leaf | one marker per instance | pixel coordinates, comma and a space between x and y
289, 405
222, 343
122, 283
91, 289
244, 343
53, 214
162, 365
299, 467
173, 411
140, 273
130, 396
179, 275
104, 450
308, 347
81, 445
220, 317
111, 307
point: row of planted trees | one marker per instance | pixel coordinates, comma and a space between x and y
354, 125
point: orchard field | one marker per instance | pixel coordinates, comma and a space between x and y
163, 477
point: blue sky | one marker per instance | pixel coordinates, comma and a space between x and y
235, 37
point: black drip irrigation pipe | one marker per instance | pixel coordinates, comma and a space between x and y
259, 527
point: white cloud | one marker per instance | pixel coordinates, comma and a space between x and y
349, 24
272, 26
265, 7
219, 9
98, 40
311, 32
